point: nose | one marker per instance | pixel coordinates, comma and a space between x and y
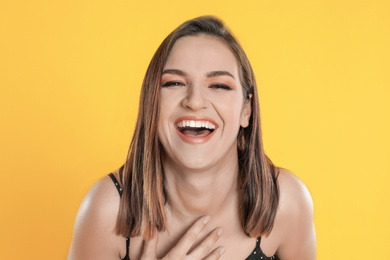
194, 99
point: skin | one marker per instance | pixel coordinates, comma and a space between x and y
201, 178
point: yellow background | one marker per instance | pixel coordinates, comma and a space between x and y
70, 76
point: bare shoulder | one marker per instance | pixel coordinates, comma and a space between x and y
101, 202
294, 225
294, 196
94, 234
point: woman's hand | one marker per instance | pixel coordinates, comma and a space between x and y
180, 251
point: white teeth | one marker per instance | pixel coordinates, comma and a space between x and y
197, 124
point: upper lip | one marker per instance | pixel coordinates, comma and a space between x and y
198, 122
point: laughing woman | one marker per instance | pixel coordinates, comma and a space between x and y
196, 183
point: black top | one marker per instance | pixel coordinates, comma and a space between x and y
257, 253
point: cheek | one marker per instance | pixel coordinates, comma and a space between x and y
231, 109
164, 122
169, 100
165, 105
163, 135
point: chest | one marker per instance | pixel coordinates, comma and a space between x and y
237, 247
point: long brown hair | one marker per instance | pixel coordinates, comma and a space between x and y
141, 209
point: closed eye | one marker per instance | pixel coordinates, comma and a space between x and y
172, 84
220, 86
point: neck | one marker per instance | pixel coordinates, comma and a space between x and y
194, 193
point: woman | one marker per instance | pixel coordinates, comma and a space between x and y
196, 183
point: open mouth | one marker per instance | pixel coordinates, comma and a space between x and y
192, 128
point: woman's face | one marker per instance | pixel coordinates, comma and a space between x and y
201, 105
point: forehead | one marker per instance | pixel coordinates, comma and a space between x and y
201, 53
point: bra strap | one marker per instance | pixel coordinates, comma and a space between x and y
120, 191
127, 248
118, 187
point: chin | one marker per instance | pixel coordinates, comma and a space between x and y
195, 163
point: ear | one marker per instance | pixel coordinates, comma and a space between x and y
246, 112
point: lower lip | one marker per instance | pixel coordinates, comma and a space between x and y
194, 139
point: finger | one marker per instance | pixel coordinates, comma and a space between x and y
188, 239
149, 249
216, 254
204, 248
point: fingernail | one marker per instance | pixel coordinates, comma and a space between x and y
206, 219
220, 231
222, 251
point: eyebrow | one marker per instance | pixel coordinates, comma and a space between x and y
210, 74
217, 73
175, 72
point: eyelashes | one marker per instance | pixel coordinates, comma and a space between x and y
220, 86
178, 84
172, 84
